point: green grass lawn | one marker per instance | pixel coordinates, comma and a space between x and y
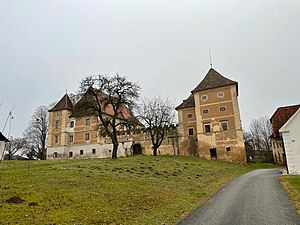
133, 190
292, 185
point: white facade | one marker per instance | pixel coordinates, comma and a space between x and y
88, 151
291, 137
3, 140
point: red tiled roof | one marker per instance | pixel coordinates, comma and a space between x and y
280, 117
81, 109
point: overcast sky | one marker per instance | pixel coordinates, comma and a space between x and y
47, 46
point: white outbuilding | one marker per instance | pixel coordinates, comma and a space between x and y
3, 140
290, 132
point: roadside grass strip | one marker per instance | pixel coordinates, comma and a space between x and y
292, 186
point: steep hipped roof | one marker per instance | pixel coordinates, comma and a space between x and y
3, 138
187, 103
64, 103
213, 79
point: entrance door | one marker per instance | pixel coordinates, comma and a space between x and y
213, 153
137, 149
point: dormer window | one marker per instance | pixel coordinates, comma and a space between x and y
71, 124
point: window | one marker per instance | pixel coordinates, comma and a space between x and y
55, 155
207, 128
191, 131
72, 124
87, 121
56, 138
222, 109
224, 125
220, 94
93, 151
205, 111
87, 136
228, 149
204, 97
70, 154
81, 152
71, 138
189, 116
274, 144
56, 124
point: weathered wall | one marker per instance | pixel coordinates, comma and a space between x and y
229, 144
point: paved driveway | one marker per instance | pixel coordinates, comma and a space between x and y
255, 198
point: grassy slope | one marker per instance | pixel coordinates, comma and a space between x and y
292, 185
134, 190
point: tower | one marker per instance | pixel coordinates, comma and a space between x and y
211, 116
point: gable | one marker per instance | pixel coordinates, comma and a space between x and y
294, 121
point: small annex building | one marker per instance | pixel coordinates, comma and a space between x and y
278, 119
290, 132
209, 120
3, 141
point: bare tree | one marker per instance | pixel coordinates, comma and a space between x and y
111, 99
259, 133
36, 133
14, 146
158, 116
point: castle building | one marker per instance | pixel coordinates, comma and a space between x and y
75, 134
209, 120
209, 127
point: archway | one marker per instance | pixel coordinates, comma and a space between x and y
137, 149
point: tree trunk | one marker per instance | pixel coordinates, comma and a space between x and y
115, 150
155, 150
